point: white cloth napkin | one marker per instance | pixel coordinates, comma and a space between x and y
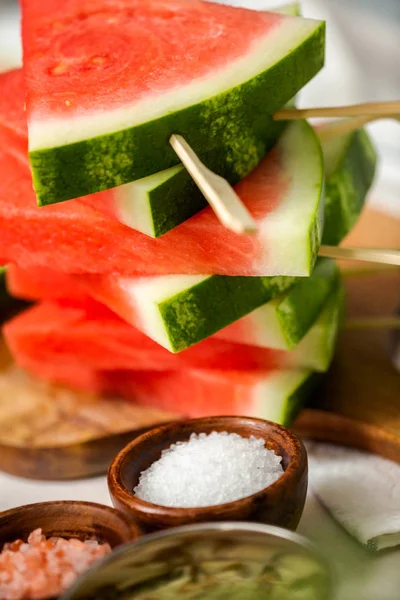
360, 490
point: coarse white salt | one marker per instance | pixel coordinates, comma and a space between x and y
208, 470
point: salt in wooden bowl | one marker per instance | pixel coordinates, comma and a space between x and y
280, 504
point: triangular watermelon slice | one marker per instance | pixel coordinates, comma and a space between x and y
153, 205
179, 311
108, 83
273, 394
350, 158
90, 333
156, 204
283, 194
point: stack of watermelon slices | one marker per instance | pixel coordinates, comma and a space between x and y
138, 289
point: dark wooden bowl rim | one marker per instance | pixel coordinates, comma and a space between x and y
26, 513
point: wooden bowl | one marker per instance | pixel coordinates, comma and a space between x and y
82, 520
280, 504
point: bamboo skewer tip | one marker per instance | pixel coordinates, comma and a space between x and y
222, 198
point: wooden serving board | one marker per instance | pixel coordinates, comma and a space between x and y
48, 432
360, 397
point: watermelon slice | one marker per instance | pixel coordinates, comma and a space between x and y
100, 340
107, 84
288, 202
178, 311
350, 163
153, 205
189, 313
273, 394
350, 166
156, 204
277, 395
41, 283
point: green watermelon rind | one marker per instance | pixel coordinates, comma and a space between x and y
335, 311
347, 188
285, 394
298, 399
300, 307
285, 323
300, 214
107, 161
200, 311
178, 198
317, 348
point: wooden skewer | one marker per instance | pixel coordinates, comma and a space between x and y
219, 193
345, 126
375, 255
391, 322
367, 109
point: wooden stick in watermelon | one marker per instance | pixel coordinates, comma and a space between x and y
366, 109
108, 85
233, 214
374, 255
222, 198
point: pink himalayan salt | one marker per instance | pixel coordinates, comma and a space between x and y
44, 568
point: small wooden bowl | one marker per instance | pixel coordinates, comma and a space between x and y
82, 520
280, 504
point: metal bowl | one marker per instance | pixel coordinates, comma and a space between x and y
216, 561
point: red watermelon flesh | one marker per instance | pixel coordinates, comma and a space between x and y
193, 393
93, 335
43, 284
186, 393
76, 239
74, 375
12, 115
136, 50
